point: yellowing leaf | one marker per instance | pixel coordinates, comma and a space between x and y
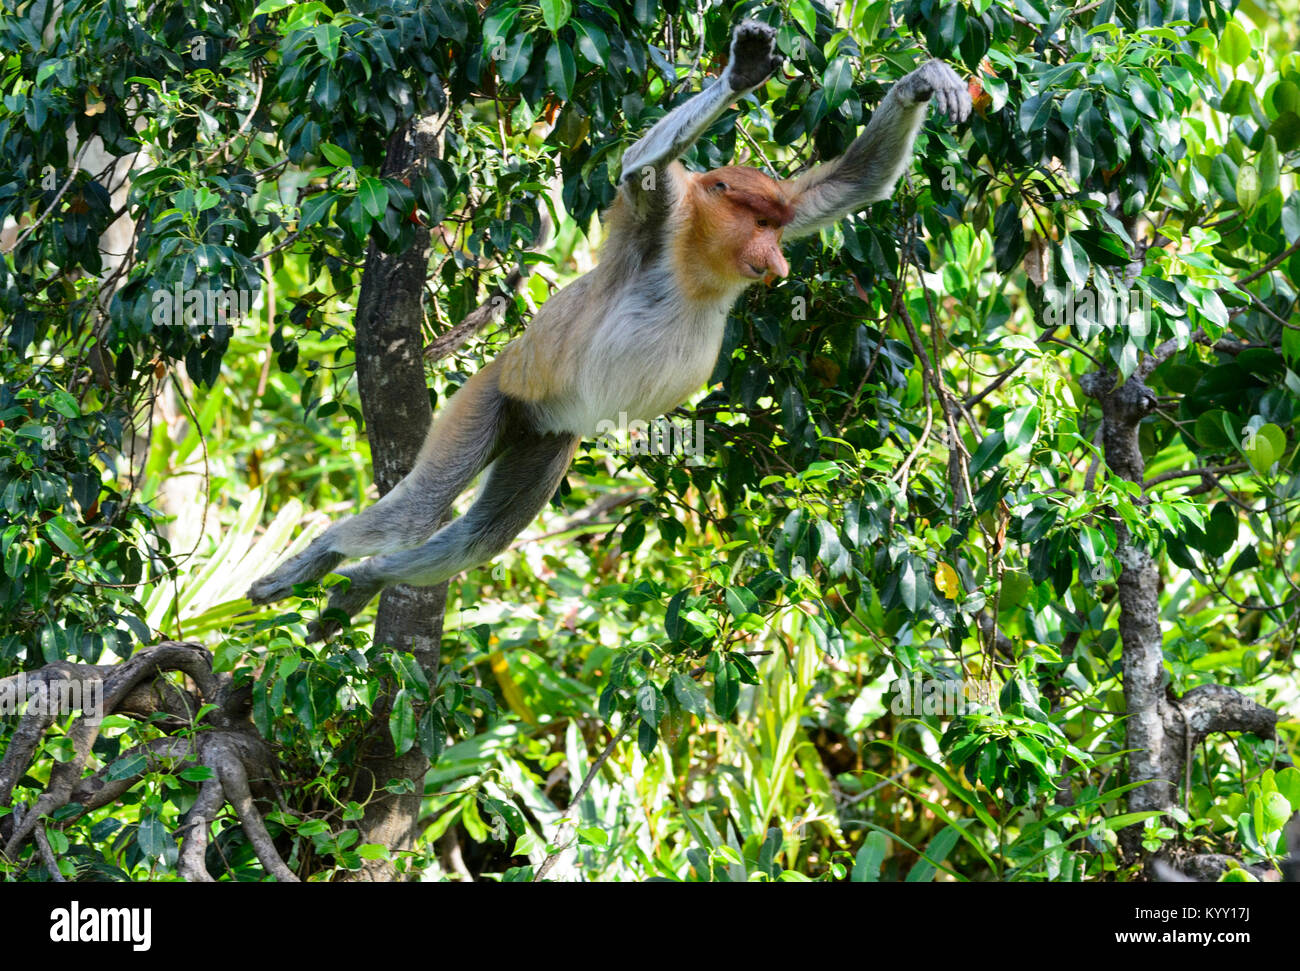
945, 580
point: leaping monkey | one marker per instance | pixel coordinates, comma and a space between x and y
638, 334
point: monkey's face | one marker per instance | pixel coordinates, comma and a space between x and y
739, 219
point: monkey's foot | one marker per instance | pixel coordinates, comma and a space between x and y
358, 594
311, 564
754, 57
936, 81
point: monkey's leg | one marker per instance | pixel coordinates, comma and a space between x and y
465, 436
518, 485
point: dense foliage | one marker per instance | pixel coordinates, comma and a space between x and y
872, 629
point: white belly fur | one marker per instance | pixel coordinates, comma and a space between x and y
653, 350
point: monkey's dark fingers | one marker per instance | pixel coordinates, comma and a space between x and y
956, 103
936, 82
959, 106
754, 57
311, 564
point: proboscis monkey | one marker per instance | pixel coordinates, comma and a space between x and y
638, 334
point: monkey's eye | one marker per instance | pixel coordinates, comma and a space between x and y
720, 187
762, 223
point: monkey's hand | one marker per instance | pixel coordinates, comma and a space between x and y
935, 80
754, 57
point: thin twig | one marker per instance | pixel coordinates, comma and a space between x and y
549, 862
76, 167
47, 855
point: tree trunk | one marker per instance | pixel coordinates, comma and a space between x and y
1150, 759
395, 402
1162, 731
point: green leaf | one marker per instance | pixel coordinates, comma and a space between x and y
726, 690
1223, 176
1144, 98
1092, 544
866, 864
935, 853
1008, 237
1288, 783
592, 43
1276, 438
131, 764
518, 55
1209, 429
1270, 169
1247, 188
1221, 530
433, 734
988, 453
689, 694
401, 722
555, 13
327, 40
1264, 447
1234, 45
1285, 129
64, 535
740, 601
646, 739
1286, 96
64, 403
837, 81
650, 703
805, 16
561, 69
1237, 99
412, 674
1247, 559
272, 6
335, 155
1238, 875
316, 208
1021, 426
1073, 260
374, 197
153, 838
1035, 111
913, 587
1272, 810
1072, 104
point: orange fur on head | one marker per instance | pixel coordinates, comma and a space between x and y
733, 233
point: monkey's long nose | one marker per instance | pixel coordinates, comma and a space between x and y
776, 264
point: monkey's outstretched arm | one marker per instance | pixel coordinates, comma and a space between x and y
871, 167
517, 486
644, 180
